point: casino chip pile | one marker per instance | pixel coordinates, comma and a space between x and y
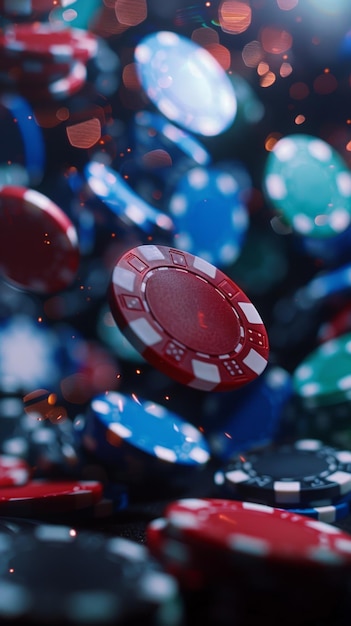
175, 327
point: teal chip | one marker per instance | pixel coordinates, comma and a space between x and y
309, 185
323, 378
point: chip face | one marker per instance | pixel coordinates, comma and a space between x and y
186, 83
306, 473
307, 181
187, 318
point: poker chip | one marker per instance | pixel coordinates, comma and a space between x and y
58, 88
13, 471
39, 242
109, 186
209, 217
330, 513
185, 83
306, 472
164, 150
259, 532
47, 497
50, 40
308, 183
187, 318
326, 284
28, 7
140, 439
323, 377
56, 574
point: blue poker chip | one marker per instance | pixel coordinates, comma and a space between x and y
23, 160
165, 149
109, 186
325, 285
185, 83
142, 441
329, 514
210, 218
250, 418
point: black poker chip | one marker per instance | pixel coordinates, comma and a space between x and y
56, 575
305, 472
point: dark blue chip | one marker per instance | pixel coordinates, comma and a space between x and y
251, 418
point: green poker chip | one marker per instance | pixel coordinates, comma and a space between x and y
323, 378
308, 183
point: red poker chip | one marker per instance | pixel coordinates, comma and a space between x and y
48, 497
177, 558
29, 71
54, 41
61, 87
187, 318
13, 471
260, 532
38, 242
28, 7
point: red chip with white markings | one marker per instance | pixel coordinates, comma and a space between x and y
187, 318
54, 41
27, 7
61, 87
38, 242
258, 531
13, 471
47, 497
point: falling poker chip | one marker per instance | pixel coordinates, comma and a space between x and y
187, 318
55, 574
209, 216
186, 83
307, 182
38, 241
53, 41
306, 473
109, 186
139, 438
323, 377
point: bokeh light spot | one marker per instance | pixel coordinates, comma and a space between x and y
285, 70
252, 53
234, 16
268, 79
271, 140
325, 83
299, 91
287, 5
275, 40
84, 134
131, 12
